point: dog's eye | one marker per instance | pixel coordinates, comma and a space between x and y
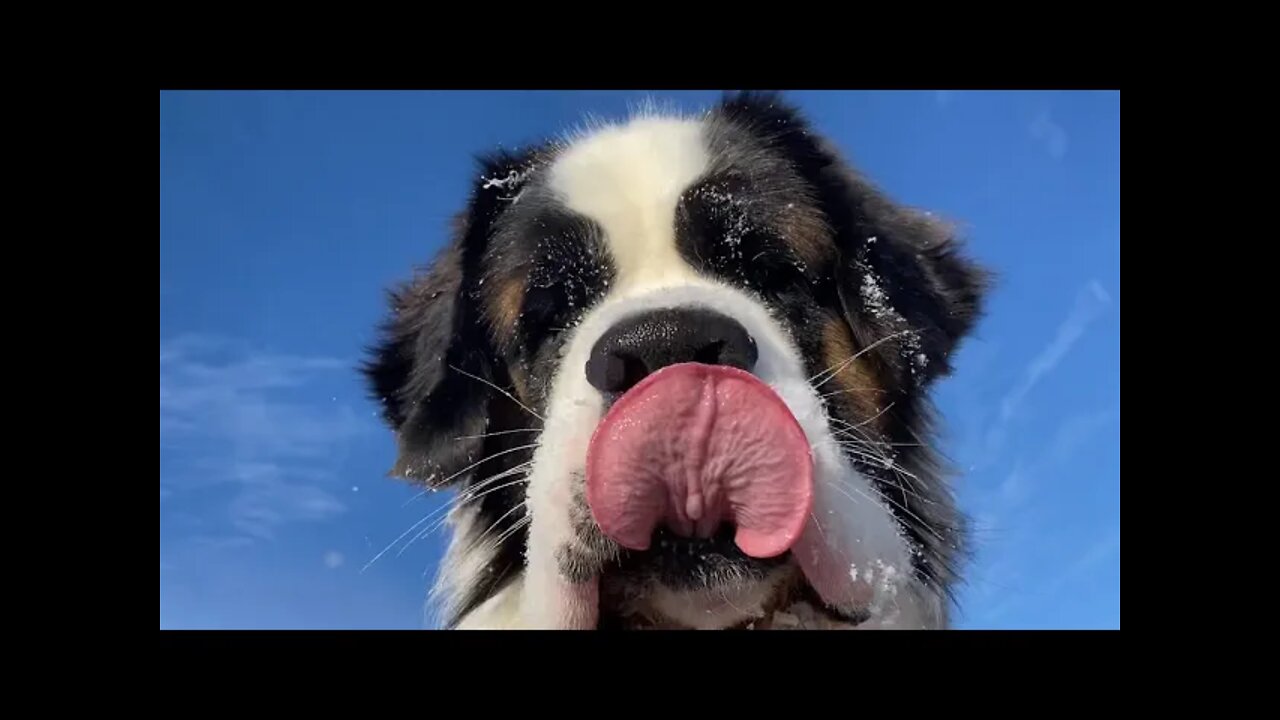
561, 287
774, 266
724, 229
546, 312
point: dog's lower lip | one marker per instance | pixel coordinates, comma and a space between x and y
719, 543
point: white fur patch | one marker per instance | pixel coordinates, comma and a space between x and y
465, 559
500, 612
628, 179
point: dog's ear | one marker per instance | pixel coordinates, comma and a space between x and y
903, 275
435, 371
900, 274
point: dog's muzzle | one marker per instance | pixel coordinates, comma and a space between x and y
693, 440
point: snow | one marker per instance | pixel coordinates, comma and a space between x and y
875, 299
513, 178
877, 303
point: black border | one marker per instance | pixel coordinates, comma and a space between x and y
990, 664
1037, 55
484, 68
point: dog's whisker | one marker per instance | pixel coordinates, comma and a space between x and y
504, 392
503, 486
457, 500
868, 453
849, 425
840, 368
878, 458
515, 528
469, 494
875, 417
818, 524
854, 434
474, 493
415, 496
887, 459
876, 446
478, 485
875, 460
848, 435
504, 516
850, 390
392, 544
839, 485
851, 437
497, 433
476, 464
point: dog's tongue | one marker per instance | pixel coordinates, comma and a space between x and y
693, 446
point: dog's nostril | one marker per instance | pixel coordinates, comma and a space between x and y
646, 343
615, 372
710, 354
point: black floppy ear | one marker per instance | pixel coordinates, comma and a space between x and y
414, 373
900, 273
903, 274
435, 370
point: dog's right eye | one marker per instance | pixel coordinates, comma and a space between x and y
566, 280
545, 313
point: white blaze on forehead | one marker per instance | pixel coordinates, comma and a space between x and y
628, 179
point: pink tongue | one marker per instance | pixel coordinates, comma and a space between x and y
693, 446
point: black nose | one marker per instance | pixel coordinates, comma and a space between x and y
649, 342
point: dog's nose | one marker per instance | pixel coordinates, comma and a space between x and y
646, 343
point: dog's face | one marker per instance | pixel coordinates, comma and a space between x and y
678, 369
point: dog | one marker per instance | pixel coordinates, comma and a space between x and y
678, 370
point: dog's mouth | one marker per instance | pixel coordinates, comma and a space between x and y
705, 479
695, 583
692, 564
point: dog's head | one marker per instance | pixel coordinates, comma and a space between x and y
678, 370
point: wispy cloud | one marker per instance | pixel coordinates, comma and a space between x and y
1001, 513
1090, 302
1077, 430
1103, 548
1047, 131
1009, 574
334, 559
220, 542
250, 423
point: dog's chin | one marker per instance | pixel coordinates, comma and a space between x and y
709, 584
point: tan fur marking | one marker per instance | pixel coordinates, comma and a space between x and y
503, 306
805, 230
854, 390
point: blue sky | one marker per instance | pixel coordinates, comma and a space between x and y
283, 216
